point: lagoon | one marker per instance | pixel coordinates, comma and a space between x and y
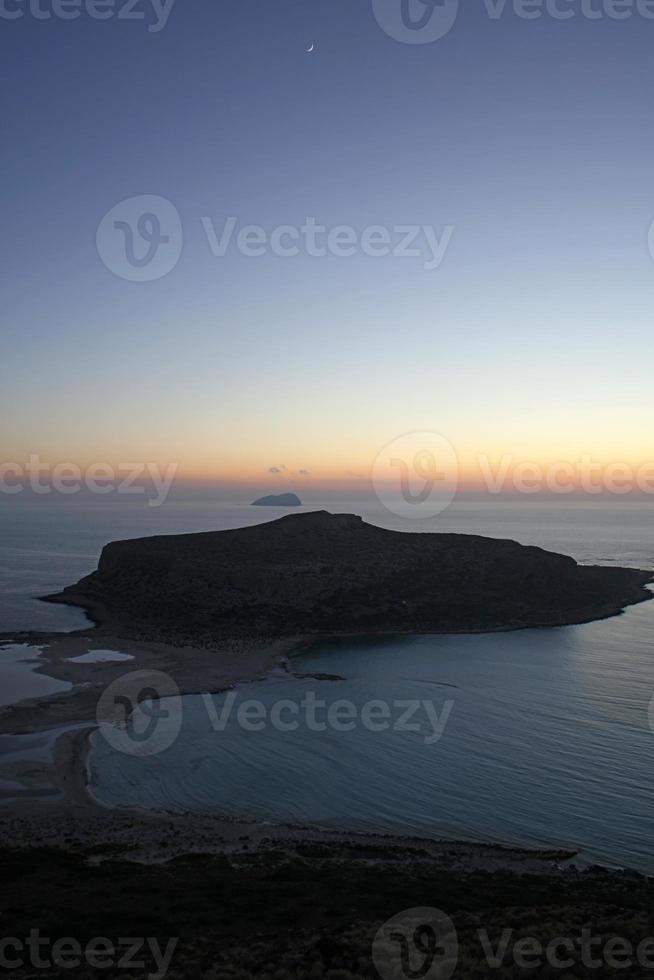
547, 742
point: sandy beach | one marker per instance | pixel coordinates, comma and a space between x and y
79, 824
194, 669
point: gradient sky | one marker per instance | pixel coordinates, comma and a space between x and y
534, 139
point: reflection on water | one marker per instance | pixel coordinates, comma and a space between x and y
548, 742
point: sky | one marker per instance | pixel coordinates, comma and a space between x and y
521, 329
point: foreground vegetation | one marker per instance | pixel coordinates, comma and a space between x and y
307, 915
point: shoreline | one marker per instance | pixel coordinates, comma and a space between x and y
136, 833
305, 574
75, 759
228, 663
195, 670
212, 667
33, 821
641, 590
154, 836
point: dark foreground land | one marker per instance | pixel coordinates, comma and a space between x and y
312, 912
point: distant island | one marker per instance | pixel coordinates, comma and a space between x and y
278, 500
321, 573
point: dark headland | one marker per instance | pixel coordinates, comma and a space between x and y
278, 500
322, 573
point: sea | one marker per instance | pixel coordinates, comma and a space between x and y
538, 737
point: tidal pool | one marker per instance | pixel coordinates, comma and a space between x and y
100, 657
18, 677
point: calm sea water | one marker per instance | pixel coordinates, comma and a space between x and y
547, 741
18, 678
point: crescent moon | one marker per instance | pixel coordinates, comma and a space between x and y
310, 49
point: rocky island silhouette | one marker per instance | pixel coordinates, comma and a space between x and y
278, 500
330, 574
